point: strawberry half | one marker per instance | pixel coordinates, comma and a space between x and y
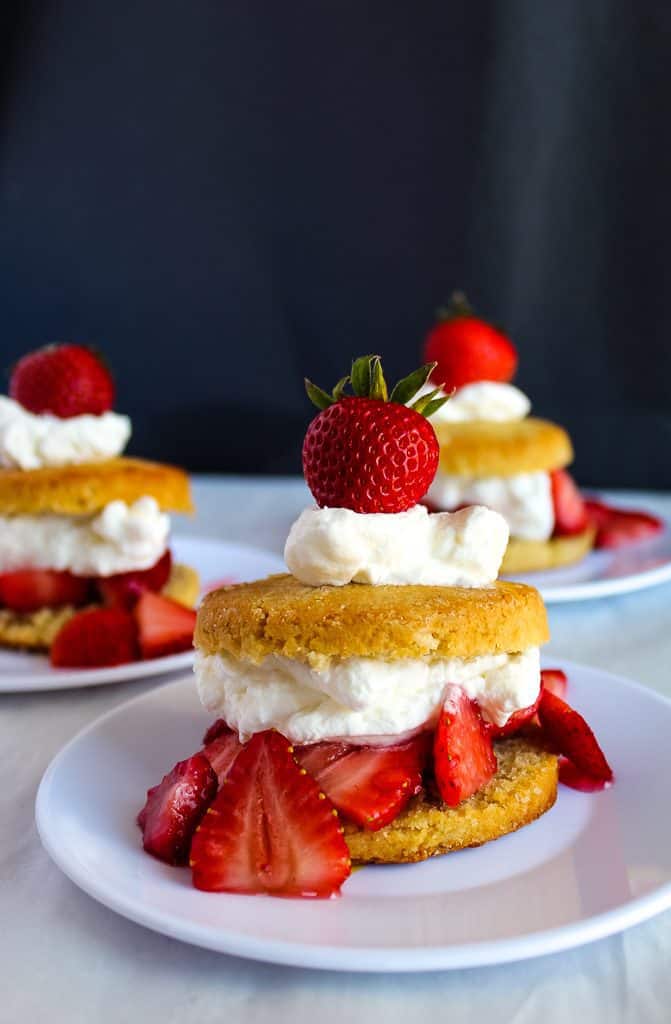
269, 829
221, 751
569, 506
371, 452
467, 349
65, 380
617, 527
30, 589
515, 722
164, 626
571, 736
218, 728
464, 759
174, 807
370, 785
124, 589
95, 639
554, 680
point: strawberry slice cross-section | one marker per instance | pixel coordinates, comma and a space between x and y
570, 734
270, 829
463, 753
369, 785
175, 806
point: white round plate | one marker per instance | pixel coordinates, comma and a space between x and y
216, 562
593, 865
605, 573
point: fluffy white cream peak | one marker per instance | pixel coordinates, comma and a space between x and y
483, 400
335, 546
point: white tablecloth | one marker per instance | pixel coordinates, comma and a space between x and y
65, 958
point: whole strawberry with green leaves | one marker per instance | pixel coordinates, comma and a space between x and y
372, 451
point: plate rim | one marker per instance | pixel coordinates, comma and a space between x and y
54, 680
338, 958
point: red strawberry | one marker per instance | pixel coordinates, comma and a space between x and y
124, 589
370, 452
554, 680
221, 752
617, 527
164, 626
515, 722
569, 507
65, 380
218, 728
29, 589
370, 785
464, 758
466, 348
269, 829
95, 638
174, 808
571, 735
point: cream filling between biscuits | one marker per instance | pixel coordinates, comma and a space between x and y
362, 700
524, 500
120, 538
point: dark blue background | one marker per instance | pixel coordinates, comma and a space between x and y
225, 196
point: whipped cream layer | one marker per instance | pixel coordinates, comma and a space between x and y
335, 546
359, 699
524, 500
482, 400
120, 538
29, 441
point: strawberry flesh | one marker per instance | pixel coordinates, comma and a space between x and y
174, 807
27, 590
218, 728
96, 638
570, 734
221, 752
269, 830
123, 589
555, 680
65, 380
516, 721
616, 527
464, 758
164, 626
369, 785
569, 506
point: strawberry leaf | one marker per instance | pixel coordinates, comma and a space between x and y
407, 388
361, 376
339, 389
318, 396
378, 385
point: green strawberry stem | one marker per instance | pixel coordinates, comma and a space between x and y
367, 381
458, 306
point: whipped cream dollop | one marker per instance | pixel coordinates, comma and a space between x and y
120, 538
29, 441
483, 400
524, 500
335, 546
359, 699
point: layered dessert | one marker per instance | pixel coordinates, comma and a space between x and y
493, 452
85, 565
380, 703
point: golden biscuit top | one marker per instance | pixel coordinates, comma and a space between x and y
86, 488
280, 615
485, 448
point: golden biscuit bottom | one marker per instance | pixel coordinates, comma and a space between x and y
36, 631
536, 555
524, 788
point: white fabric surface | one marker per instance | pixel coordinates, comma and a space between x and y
63, 957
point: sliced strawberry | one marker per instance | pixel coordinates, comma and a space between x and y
555, 680
515, 722
124, 589
617, 527
218, 728
464, 758
221, 752
95, 638
269, 829
569, 506
571, 735
370, 785
164, 626
174, 808
29, 589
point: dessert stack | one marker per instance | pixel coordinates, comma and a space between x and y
85, 564
382, 701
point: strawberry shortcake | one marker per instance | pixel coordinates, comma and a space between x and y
492, 452
85, 564
382, 701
